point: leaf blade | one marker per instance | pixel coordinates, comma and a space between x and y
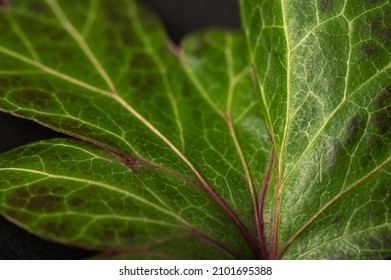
335, 68
146, 119
83, 207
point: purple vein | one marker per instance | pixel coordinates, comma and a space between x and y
261, 221
90, 55
233, 80
132, 163
274, 249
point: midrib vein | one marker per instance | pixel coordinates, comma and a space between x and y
114, 94
162, 137
52, 72
283, 144
116, 97
90, 55
97, 217
81, 42
102, 185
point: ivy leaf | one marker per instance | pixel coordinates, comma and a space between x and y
174, 158
323, 70
173, 150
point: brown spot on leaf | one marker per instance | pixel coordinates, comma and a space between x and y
198, 48
141, 61
381, 27
383, 98
386, 36
373, 144
386, 239
325, 5
13, 81
33, 98
108, 235
143, 83
49, 203
57, 228
126, 236
35, 6
33, 150
376, 24
374, 243
382, 120
376, 214
18, 198
39, 190
117, 14
22, 194
337, 219
59, 190
76, 201
355, 129
15, 181
382, 117
338, 255
370, 50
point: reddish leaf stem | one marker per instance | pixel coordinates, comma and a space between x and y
274, 253
260, 220
133, 163
242, 228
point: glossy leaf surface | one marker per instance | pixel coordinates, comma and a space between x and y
174, 159
323, 70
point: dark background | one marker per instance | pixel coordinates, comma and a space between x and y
179, 17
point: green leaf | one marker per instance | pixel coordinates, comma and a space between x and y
323, 70
184, 151
79, 194
177, 147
